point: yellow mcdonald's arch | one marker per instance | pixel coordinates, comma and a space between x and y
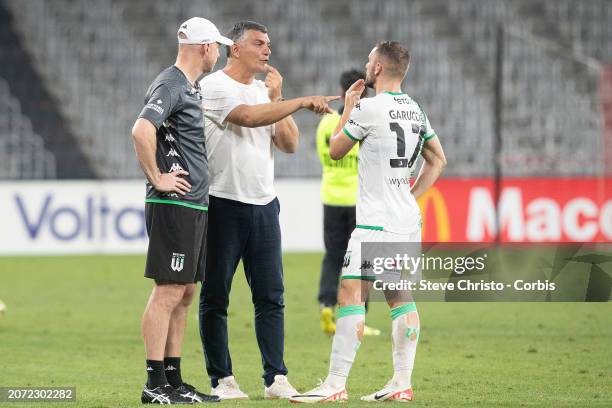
440, 211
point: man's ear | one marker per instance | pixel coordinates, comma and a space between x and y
378, 69
235, 50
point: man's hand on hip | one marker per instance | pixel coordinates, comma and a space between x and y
172, 182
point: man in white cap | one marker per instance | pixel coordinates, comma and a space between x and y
169, 142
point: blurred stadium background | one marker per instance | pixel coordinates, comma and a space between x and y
74, 73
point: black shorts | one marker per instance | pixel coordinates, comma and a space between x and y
177, 243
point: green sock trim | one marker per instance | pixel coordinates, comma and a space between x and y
403, 309
344, 311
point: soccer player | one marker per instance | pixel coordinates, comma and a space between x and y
246, 120
392, 130
339, 195
169, 142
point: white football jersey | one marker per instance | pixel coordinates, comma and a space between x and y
392, 129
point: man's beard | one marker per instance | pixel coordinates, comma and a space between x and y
369, 82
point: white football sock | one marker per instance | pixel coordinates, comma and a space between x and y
405, 334
349, 333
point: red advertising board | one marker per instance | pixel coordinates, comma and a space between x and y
530, 210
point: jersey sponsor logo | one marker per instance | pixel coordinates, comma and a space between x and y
401, 100
178, 261
155, 108
170, 138
172, 153
399, 181
175, 167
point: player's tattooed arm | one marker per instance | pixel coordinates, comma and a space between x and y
340, 144
145, 144
433, 164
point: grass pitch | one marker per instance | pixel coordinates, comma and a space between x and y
75, 321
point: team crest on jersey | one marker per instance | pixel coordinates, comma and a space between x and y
347, 259
178, 260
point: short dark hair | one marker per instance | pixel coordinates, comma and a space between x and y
348, 78
396, 56
241, 27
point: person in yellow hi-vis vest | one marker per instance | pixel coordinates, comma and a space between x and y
339, 196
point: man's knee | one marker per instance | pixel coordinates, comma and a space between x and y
271, 300
188, 294
350, 292
168, 295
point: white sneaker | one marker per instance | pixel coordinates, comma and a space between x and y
280, 388
393, 391
228, 389
322, 393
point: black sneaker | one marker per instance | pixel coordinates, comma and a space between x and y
189, 391
164, 394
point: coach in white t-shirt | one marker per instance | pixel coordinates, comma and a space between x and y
245, 121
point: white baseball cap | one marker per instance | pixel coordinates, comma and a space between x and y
199, 30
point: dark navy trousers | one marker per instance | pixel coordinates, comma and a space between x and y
252, 233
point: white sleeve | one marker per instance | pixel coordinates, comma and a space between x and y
358, 125
218, 101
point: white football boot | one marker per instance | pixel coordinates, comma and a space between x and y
228, 389
280, 388
393, 391
322, 393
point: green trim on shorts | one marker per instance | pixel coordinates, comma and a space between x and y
174, 202
370, 227
368, 278
346, 132
344, 311
403, 309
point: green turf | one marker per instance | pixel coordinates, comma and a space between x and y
75, 321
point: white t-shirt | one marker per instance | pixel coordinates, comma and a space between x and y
240, 159
392, 129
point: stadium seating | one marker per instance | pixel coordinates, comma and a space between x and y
22, 153
98, 58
